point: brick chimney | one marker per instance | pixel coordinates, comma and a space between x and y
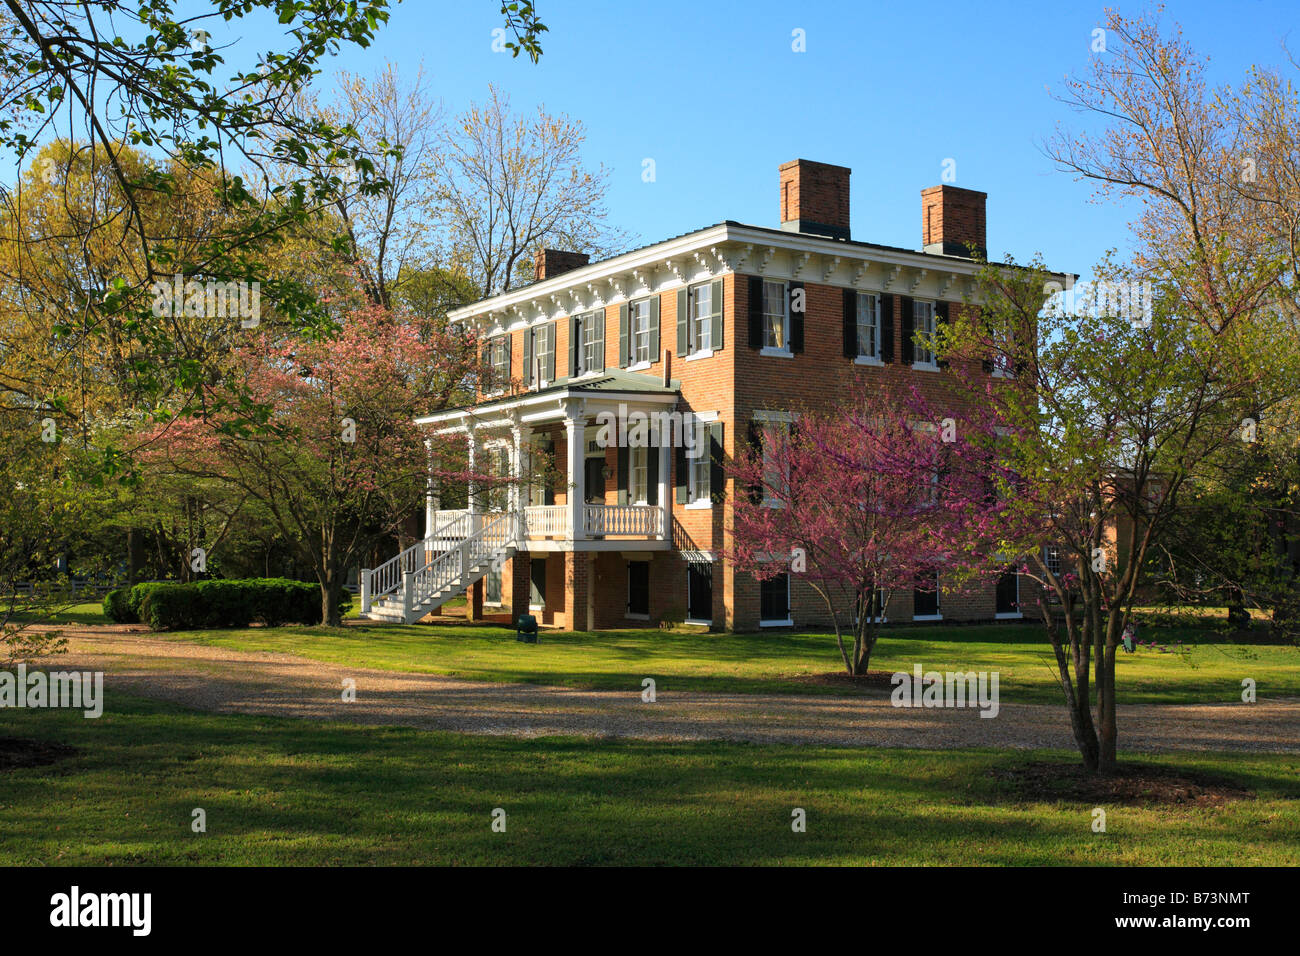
815, 198
952, 220
551, 262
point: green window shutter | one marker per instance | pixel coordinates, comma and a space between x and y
599, 318
715, 302
716, 458
940, 321
622, 474
624, 333
756, 329
528, 357
679, 468
683, 321
886, 328
507, 349
654, 329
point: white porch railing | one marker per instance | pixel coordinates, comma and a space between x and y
635, 520
546, 521
387, 578
497, 532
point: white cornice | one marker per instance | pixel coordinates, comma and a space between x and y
729, 247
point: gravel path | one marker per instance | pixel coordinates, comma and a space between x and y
229, 681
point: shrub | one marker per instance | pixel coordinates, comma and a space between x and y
170, 607
223, 603
117, 607
138, 595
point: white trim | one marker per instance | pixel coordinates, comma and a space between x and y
638, 367
1010, 616
699, 504
775, 353
788, 622
702, 354
927, 617
868, 360
629, 616
698, 623
925, 366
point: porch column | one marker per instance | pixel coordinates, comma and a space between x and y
431, 495
519, 435
577, 434
472, 464
665, 487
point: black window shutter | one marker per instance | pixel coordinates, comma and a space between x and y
886, 327
552, 338
575, 351
909, 330
624, 333
505, 345
716, 452
599, 318
652, 475
715, 303
528, 357
755, 312
796, 318
622, 474
850, 323
940, 322
683, 325
654, 329
680, 476
756, 443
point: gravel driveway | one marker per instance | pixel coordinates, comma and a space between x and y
281, 685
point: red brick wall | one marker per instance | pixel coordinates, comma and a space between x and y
815, 193
953, 218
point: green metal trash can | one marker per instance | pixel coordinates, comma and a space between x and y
526, 629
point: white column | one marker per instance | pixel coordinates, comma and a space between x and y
665, 487
430, 490
472, 444
577, 434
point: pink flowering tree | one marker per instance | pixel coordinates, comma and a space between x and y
863, 503
319, 434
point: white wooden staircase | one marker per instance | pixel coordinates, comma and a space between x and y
447, 562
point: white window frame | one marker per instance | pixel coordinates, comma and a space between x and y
1048, 552
1003, 364
543, 334
638, 460
938, 602
634, 335
770, 420
1015, 615
784, 348
930, 361
696, 620
700, 328
789, 611
871, 357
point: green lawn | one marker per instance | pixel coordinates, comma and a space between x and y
279, 791
773, 662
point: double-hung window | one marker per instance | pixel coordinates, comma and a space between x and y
868, 325
776, 316
698, 475
776, 469
638, 491
701, 316
638, 315
923, 319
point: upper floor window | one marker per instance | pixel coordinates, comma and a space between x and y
638, 489
539, 355
499, 359
587, 347
701, 317
638, 314
1052, 558
774, 436
868, 325
924, 325
776, 316
700, 467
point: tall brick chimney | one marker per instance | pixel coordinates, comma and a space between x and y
952, 220
815, 198
551, 262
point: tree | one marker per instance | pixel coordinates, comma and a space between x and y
860, 502
145, 76
508, 184
338, 463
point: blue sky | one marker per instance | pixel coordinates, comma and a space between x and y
713, 92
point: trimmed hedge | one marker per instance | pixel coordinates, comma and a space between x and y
217, 603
